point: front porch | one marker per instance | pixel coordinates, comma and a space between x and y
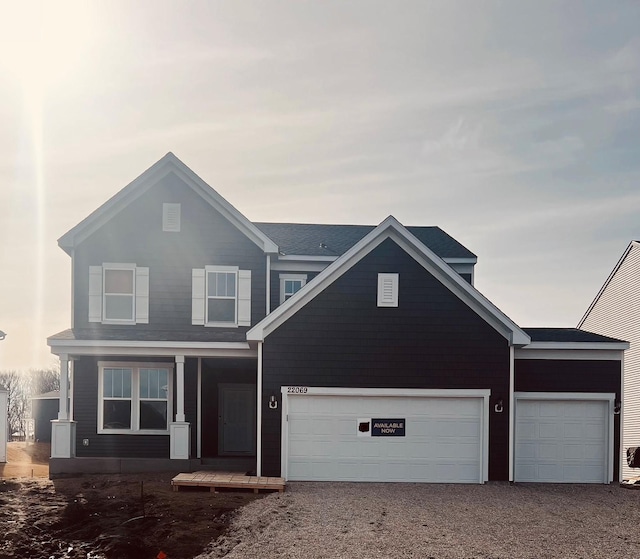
211, 414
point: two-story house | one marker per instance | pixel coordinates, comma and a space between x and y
315, 352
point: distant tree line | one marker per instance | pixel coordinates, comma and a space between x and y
21, 386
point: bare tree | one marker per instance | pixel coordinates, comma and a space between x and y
17, 384
21, 387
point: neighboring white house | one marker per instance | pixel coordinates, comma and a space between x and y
3, 424
615, 312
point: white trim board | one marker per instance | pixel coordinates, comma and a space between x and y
569, 354
392, 229
301, 391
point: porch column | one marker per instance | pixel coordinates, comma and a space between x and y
63, 430
179, 388
179, 430
63, 408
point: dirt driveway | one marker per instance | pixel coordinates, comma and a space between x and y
496, 520
26, 459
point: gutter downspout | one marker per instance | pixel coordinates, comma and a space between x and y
259, 414
512, 402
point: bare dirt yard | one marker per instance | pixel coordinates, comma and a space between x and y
105, 516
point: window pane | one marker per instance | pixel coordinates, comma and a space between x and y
118, 281
117, 414
144, 383
212, 284
118, 307
231, 285
153, 415
107, 383
221, 310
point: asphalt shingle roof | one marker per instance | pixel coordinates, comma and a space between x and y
566, 335
334, 240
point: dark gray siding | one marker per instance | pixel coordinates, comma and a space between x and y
43, 410
342, 339
135, 236
85, 406
551, 375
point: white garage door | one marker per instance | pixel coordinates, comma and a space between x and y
562, 441
442, 439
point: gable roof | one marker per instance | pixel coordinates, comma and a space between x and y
391, 228
632, 245
334, 240
168, 164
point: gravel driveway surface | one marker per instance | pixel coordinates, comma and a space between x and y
496, 520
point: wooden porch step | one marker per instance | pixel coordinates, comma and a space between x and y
227, 480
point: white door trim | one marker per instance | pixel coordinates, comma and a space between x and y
608, 397
297, 391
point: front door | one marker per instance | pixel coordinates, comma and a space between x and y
236, 419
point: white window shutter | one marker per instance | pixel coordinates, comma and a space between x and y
95, 293
197, 296
244, 297
388, 290
142, 295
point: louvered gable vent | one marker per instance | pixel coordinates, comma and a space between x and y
171, 218
388, 290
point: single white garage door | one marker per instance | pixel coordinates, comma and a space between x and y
385, 438
562, 441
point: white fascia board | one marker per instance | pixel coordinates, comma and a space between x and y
470, 261
393, 229
168, 164
569, 354
157, 348
632, 244
619, 346
299, 267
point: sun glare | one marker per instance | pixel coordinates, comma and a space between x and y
42, 40
41, 43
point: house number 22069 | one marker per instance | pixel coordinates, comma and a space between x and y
297, 389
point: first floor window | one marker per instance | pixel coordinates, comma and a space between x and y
134, 398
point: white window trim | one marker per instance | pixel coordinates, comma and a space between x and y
106, 267
291, 277
135, 397
226, 269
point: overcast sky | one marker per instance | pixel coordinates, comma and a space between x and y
514, 126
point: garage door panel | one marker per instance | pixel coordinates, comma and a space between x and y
561, 441
442, 440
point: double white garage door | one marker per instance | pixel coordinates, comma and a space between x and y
437, 436
390, 435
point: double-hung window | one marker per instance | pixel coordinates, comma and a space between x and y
290, 284
134, 398
118, 294
221, 296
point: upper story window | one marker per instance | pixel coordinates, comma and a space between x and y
290, 284
119, 294
221, 296
134, 398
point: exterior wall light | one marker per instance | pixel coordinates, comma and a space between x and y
2, 335
499, 407
273, 402
617, 406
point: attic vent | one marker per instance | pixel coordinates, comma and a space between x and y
171, 217
388, 290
